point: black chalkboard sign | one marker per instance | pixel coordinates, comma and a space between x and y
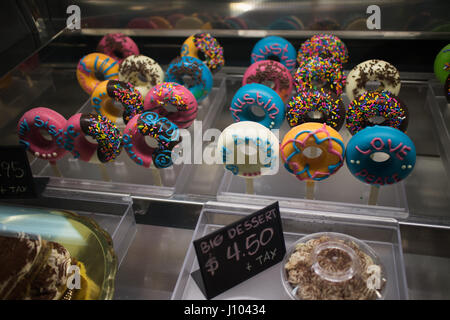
16, 179
239, 251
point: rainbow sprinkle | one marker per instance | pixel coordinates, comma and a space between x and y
326, 46
169, 92
212, 49
315, 72
107, 135
372, 104
320, 100
130, 98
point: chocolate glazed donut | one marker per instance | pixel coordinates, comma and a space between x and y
126, 94
105, 132
167, 135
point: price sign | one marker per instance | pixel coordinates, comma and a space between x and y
239, 251
16, 179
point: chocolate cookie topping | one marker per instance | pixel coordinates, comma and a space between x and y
388, 74
145, 69
178, 69
301, 271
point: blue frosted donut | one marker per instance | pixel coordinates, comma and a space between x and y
259, 95
399, 147
201, 80
275, 48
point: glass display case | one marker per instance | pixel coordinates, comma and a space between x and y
39, 69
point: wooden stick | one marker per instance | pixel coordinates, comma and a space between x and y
310, 190
249, 187
373, 196
104, 172
55, 169
156, 176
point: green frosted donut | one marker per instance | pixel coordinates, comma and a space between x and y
442, 64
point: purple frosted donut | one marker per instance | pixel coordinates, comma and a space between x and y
117, 46
172, 93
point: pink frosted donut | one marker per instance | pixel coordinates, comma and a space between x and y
150, 124
29, 127
267, 71
105, 132
179, 96
117, 46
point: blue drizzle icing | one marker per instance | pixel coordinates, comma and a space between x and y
332, 168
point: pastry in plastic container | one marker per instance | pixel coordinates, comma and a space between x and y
333, 266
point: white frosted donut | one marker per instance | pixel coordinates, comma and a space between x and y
248, 149
142, 72
372, 70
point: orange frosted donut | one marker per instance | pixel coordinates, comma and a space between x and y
318, 135
94, 66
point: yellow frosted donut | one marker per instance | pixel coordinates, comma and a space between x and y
91, 66
110, 91
318, 135
205, 47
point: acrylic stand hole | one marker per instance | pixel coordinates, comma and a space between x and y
379, 156
377, 119
315, 115
312, 152
151, 142
372, 85
257, 112
45, 135
170, 108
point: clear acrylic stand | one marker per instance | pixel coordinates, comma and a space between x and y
125, 175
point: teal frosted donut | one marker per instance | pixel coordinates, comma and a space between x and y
201, 79
275, 48
399, 147
442, 64
258, 95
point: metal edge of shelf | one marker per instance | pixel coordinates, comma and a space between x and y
366, 35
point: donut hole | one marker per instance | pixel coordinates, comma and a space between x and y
380, 156
315, 115
201, 55
372, 85
45, 135
99, 75
90, 139
269, 83
376, 120
118, 54
142, 77
257, 113
273, 57
318, 83
312, 152
151, 142
188, 81
170, 108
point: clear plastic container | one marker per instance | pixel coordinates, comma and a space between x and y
381, 234
332, 266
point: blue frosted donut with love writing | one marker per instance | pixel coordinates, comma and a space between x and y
275, 47
399, 147
263, 97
